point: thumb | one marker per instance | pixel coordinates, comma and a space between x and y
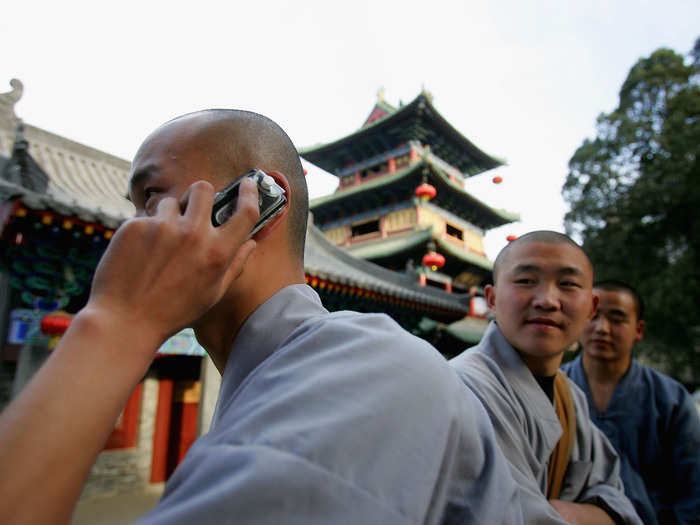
235, 269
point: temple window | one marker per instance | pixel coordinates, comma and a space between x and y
374, 170
365, 228
403, 161
453, 231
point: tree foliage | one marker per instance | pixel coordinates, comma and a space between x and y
634, 193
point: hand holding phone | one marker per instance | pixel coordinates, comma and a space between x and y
271, 200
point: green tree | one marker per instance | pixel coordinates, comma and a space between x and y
634, 193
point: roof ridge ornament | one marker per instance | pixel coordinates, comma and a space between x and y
427, 94
10, 98
380, 96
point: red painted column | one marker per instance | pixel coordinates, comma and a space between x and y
162, 431
183, 422
392, 165
126, 430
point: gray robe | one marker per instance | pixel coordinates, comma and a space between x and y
528, 429
340, 418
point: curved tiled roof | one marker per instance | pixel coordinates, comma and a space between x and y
324, 260
417, 120
82, 178
91, 185
465, 206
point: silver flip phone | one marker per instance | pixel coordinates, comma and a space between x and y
271, 200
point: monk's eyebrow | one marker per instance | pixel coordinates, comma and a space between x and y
571, 270
566, 270
138, 178
525, 268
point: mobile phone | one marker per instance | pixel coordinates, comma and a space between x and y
271, 200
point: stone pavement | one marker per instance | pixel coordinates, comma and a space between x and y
118, 509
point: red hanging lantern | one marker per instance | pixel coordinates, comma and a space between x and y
497, 179
511, 238
426, 191
433, 260
56, 323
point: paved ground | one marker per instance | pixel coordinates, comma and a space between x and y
119, 509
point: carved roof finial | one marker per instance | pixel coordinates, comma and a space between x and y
427, 94
9, 99
380, 95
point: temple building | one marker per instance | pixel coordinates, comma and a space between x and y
61, 201
401, 201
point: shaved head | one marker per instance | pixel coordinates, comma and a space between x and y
540, 236
236, 141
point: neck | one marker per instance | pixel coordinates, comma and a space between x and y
216, 331
604, 371
542, 366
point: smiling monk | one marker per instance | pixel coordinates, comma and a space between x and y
542, 299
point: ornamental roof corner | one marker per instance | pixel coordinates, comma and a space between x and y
388, 127
8, 101
49, 170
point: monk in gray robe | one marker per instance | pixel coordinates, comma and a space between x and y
341, 417
542, 298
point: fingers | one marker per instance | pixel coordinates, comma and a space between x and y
247, 211
236, 267
167, 208
196, 202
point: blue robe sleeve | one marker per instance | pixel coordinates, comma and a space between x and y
681, 501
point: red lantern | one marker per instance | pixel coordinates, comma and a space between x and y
433, 260
426, 191
497, 179
511, 238
56, 323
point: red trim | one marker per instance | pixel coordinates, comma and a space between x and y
382, 226
8, 209
48, 217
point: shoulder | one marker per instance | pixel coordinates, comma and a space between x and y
475, 367
360, 341
487, 381
664, 391
352, 364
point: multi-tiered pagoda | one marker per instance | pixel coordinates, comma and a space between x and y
401, 201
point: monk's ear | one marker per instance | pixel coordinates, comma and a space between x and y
640, 331
490, 292
594, 305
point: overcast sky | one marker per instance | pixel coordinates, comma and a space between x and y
524, 81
